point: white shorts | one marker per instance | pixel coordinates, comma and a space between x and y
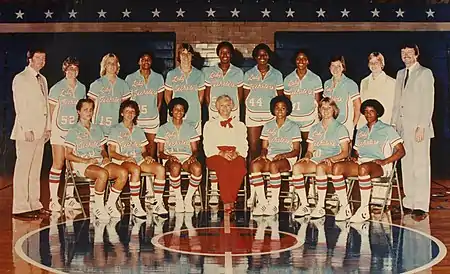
257, 120
386, 168
80, 168
58, 136
149, 126
291, 161
120, 162
305, 123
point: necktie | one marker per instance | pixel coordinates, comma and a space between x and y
406, 78
41, 83
226, 122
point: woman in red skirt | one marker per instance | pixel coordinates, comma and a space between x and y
225, 145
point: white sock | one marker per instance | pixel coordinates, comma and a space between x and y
113, 195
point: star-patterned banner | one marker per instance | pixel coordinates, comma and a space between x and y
277, 12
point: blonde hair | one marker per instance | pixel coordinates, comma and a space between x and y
332, 103
103, 63
222, 97
378, 56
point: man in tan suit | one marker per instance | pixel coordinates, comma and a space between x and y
31, 131
412, 113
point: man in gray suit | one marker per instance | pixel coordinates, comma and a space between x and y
412, 113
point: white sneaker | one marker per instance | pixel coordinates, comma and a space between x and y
214, 198
113, 211
344, 213
302, 211
150, 199
137, 210
361, 215
179, 206
260, 209
271, 210
54, 206
100, 212
318, 212
197, 198
188, 208
159, 209
72, 203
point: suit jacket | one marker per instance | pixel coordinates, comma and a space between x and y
31, 105
414, 103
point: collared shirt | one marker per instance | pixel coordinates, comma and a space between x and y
280, 139
85, 143
303, 93
128, 143
176, 141
382, 89
187, 87
377, 143
214, 135
146, 94
327, 142
65, 99
221, 84
108, 98
261, 90
345, 92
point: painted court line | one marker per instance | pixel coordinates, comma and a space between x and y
228, 263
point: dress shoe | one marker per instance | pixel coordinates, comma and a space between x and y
419, 213
26, 215
407, 210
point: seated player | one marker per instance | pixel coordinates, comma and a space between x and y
378, 145
127, 147
225, 144
327, 144
178, 148
85, 149
280, 149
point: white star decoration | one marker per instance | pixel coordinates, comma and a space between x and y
48, 14
19, 14
321, 12
126, 13
290, 13
375, 13
180, 13
101, 13
72, 14
399, 13
345, 13
265, 13
210, 12
430, 13
235, 12
156, 13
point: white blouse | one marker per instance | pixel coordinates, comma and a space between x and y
382, 88
215, 135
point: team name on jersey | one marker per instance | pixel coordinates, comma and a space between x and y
302, 91
179, 78
325, 143
183, 88
125, 140
106, 89
229, 84
262, 86
283, 140
67, 92
68, 102
106, 99
316, 135
88, 144
144, 92
337, 99
174, 143
368, 143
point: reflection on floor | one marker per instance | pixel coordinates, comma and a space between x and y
198, 243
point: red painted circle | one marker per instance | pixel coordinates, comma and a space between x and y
213, 241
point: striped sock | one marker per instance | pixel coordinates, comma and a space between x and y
298, 181
175, 182
53, 179
99, 198
92, 190
340, 188
135, 188
365, 186
158, 187
195, 181
275, 180
256, 179
322, 183
113, 195
214, 182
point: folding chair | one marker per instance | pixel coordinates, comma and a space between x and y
241, 193
386, 182
146, 178
72, 179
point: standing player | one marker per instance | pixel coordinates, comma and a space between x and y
63, 98
188, 83
261, 83
147, 89
223, 79
108, 92
344, 91
178, 148
126, 145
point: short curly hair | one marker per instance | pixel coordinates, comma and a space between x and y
283, 99
264, 47
70, 61
132, 104
372, 103
225, 44
177, 101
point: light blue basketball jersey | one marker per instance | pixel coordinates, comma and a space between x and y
177, 142
128, 143
187, 87
108, 99
280, 139
261, 90
303, 93
85, 143
377, 143
65, 100
146, 94
343, 94
327, 142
